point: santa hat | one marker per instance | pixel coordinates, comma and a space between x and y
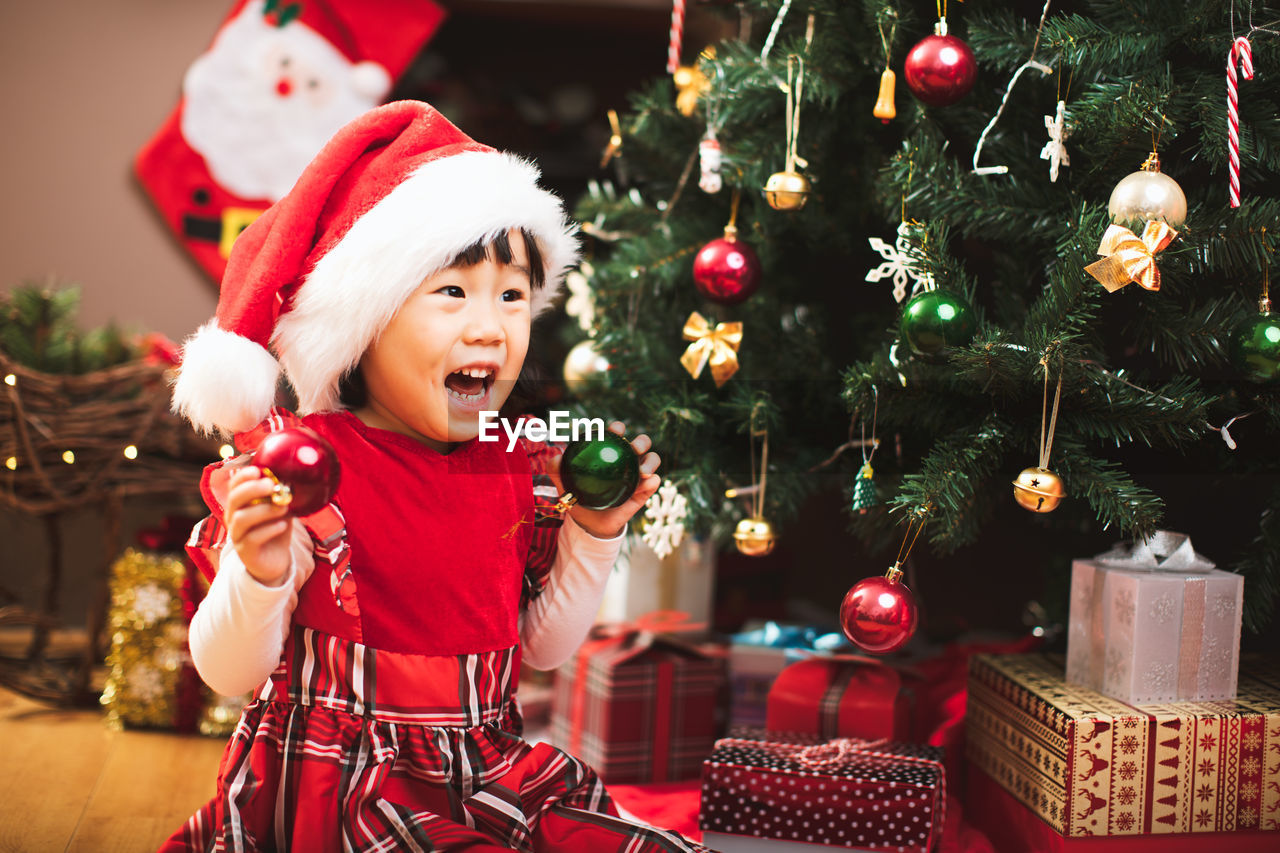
394, 197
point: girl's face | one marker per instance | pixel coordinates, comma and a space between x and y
453, 349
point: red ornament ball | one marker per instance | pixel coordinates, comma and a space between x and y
878, 614
940, 70
726, 271
304, 466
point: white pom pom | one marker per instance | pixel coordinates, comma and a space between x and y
370, 80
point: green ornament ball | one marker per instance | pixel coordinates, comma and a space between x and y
601, 473
936, 320
1255, 348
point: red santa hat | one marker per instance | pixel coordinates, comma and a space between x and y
391, 199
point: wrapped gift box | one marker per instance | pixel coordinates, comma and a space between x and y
767, 792
639, 706
840, 696
1090, 765
758, 656
1155, 623
642, 582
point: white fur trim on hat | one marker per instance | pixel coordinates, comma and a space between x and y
225, 381
443, 207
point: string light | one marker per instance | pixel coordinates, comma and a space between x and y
68, 457
131, 452
11, 463
226, 451
11, 379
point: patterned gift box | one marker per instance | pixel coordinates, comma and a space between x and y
778, 792
840, 696
1091, 765
639, 706
1155, 623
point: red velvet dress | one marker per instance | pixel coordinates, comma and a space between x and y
390, 723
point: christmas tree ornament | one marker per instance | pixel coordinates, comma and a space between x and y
584, 367
727, 270
600, 473
934, 321
884, 108
1241, 52
303, 466
788, 189
1130, 258
1039, 489
664, 515
675, 37
899, 265
940, 69
1255, 346
754, 536
1147, 194
1055, 150
878, 614
710, 180
716, 346
865, 496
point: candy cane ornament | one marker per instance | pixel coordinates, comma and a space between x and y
677, 36
1242, 52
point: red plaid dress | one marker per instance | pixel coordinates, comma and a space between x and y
392, 725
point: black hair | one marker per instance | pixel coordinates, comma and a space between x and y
352, 390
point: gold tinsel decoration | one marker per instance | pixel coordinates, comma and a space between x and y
148, 641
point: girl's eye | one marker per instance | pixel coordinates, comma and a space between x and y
452, 290
512, 295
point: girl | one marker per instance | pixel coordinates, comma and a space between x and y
396, 284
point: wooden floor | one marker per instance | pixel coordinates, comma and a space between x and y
68, 783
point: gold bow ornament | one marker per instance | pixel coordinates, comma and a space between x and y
1128, 258
717, 347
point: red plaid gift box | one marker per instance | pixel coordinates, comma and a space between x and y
840, 696
639, 706
796, 791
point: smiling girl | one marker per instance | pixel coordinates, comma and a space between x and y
383, 635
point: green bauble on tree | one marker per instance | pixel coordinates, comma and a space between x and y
600, 473
1255, 347
936, 320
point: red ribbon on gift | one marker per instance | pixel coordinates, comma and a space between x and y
641, 632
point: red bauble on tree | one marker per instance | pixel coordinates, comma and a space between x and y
940, 69
879, 613
726, 271
304, 467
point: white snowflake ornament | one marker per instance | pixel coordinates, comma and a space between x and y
899, 264
665, 513
1055, 150
581, 304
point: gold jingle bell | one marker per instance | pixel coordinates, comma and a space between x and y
754, 537
1038, 489
786, 190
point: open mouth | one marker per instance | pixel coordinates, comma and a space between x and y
470, 384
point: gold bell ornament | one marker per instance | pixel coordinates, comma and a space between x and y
1039, 489
788, 189
754, 536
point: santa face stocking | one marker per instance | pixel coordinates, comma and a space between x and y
280, 78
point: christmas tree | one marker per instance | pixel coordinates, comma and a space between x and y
1002, 351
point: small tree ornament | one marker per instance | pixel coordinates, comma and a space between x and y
664, 516
1055, 150
899, 265
936, 321
600, 473
884, 108
865, 497
1039, 489
1147, 195
940, 69
754, 536
584, 367
303, 466
788, 189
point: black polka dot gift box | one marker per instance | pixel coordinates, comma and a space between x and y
797, 792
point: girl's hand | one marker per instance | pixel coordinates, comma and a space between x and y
258, 528
608, 523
